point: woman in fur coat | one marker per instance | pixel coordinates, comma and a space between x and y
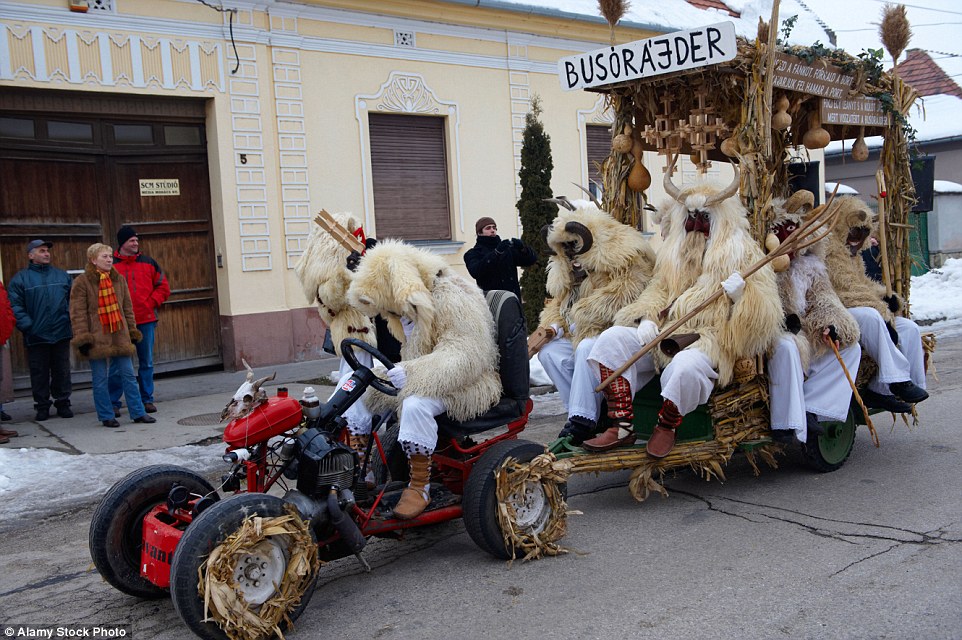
102, 318
894, 342
449, 356
806, 382
708, 244
599, 265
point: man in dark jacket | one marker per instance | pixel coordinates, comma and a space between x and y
40, 299
494, 262
148, 290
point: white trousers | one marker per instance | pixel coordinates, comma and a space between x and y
417, 424
575, 379
825, 392
895, 364
687, 381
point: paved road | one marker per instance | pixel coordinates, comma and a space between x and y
873, 550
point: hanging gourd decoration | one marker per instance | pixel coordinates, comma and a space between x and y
695, 158
781, 263
816, 137
729, 147
622, 142
638, 178
780, 119
860, 149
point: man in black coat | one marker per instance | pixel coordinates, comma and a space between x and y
494, 262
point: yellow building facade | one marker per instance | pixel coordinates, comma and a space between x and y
269, 107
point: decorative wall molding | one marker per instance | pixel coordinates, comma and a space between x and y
83, 57
407, 93
292, 150
249, 162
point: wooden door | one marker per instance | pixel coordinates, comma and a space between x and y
174, 230
70, 172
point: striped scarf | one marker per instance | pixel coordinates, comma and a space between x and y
107, 306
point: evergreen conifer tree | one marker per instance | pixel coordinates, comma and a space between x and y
535, 177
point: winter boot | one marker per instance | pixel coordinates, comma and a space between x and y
621, 433
663, 437
417, 495
360, 442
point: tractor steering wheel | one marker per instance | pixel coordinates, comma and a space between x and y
347, 350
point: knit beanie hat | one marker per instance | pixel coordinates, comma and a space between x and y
482, 223
125, 234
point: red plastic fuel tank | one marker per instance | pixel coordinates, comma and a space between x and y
277, 415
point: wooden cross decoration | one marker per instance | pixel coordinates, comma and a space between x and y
665, 139
701, 131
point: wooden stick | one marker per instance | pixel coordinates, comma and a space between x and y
343, 237
816, 219
858, 397
882, 242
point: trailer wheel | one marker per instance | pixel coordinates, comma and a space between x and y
261, 569
829, 451
116, 528
531, 504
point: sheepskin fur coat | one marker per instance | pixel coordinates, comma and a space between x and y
85, 320
451, 353
850, 235
691, 267
325, 278
806, 290
617, 267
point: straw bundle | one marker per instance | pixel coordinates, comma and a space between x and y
224, 605
511, 480
894, 30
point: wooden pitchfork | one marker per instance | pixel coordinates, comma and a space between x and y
822, 216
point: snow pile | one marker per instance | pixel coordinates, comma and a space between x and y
936, 298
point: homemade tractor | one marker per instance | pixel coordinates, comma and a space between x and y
242, 559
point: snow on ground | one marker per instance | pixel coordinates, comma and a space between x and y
38, 481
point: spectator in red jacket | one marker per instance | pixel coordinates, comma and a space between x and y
148, 290
7, 323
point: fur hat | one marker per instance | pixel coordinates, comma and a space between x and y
124, 234
482, 223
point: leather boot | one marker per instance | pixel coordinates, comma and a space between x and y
663, 437
359, 443
620, 435
415, 497
578, 429
9, 433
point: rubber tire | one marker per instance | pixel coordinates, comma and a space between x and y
211, 528
116, 527
479, 503
828, 453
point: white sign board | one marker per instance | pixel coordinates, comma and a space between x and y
160, 187
652, 57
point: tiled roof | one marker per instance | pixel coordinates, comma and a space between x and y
926, 76
714, 4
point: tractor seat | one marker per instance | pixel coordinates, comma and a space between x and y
513, 366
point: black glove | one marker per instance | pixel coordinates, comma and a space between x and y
832, 333
370, 243
503, 247
793, 323
893, 334
893, 302
353, 261
84, 349
517, 244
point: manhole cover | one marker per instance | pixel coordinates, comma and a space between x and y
203, 420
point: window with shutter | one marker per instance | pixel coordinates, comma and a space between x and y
410, 177
598, 139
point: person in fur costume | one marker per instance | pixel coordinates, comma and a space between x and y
806, 382
598, 266
104, 332
325, 277
894, 342
708, 244
449, 357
